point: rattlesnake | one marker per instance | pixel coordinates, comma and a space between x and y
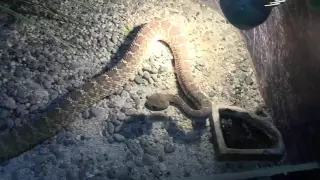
62, 112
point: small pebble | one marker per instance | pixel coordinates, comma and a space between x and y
111, 173
22, 93
162, 167
138, 163
63, 166
18, 73
248, 80
163, 69
150, 70
10, 123
152, 150
137, 100
76, 158
138, 79
127, 87
124, 94
146, 75
18, 122
47, 85
71, 175
130, 112
10, 103
37, 168
110, 139
169, 148
156, 171
116, 122
110, 128
119, 137
133, 147
17, 175
143, 142
121, 116
211, 94
112, 117
129, 156
140, 92
118, 128
95, 112
148, 159
155, 77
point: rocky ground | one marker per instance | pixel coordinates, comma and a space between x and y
118, 138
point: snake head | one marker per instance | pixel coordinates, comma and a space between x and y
157, 102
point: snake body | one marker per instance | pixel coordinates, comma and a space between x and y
64, 111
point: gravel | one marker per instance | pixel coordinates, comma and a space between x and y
116, 138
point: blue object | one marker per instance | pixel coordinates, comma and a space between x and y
246, 14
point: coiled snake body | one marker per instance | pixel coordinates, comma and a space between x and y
61, 113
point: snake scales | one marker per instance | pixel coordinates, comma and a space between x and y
62, 112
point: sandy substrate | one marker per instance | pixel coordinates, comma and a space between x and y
119, 137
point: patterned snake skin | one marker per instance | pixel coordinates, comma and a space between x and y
59, 114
